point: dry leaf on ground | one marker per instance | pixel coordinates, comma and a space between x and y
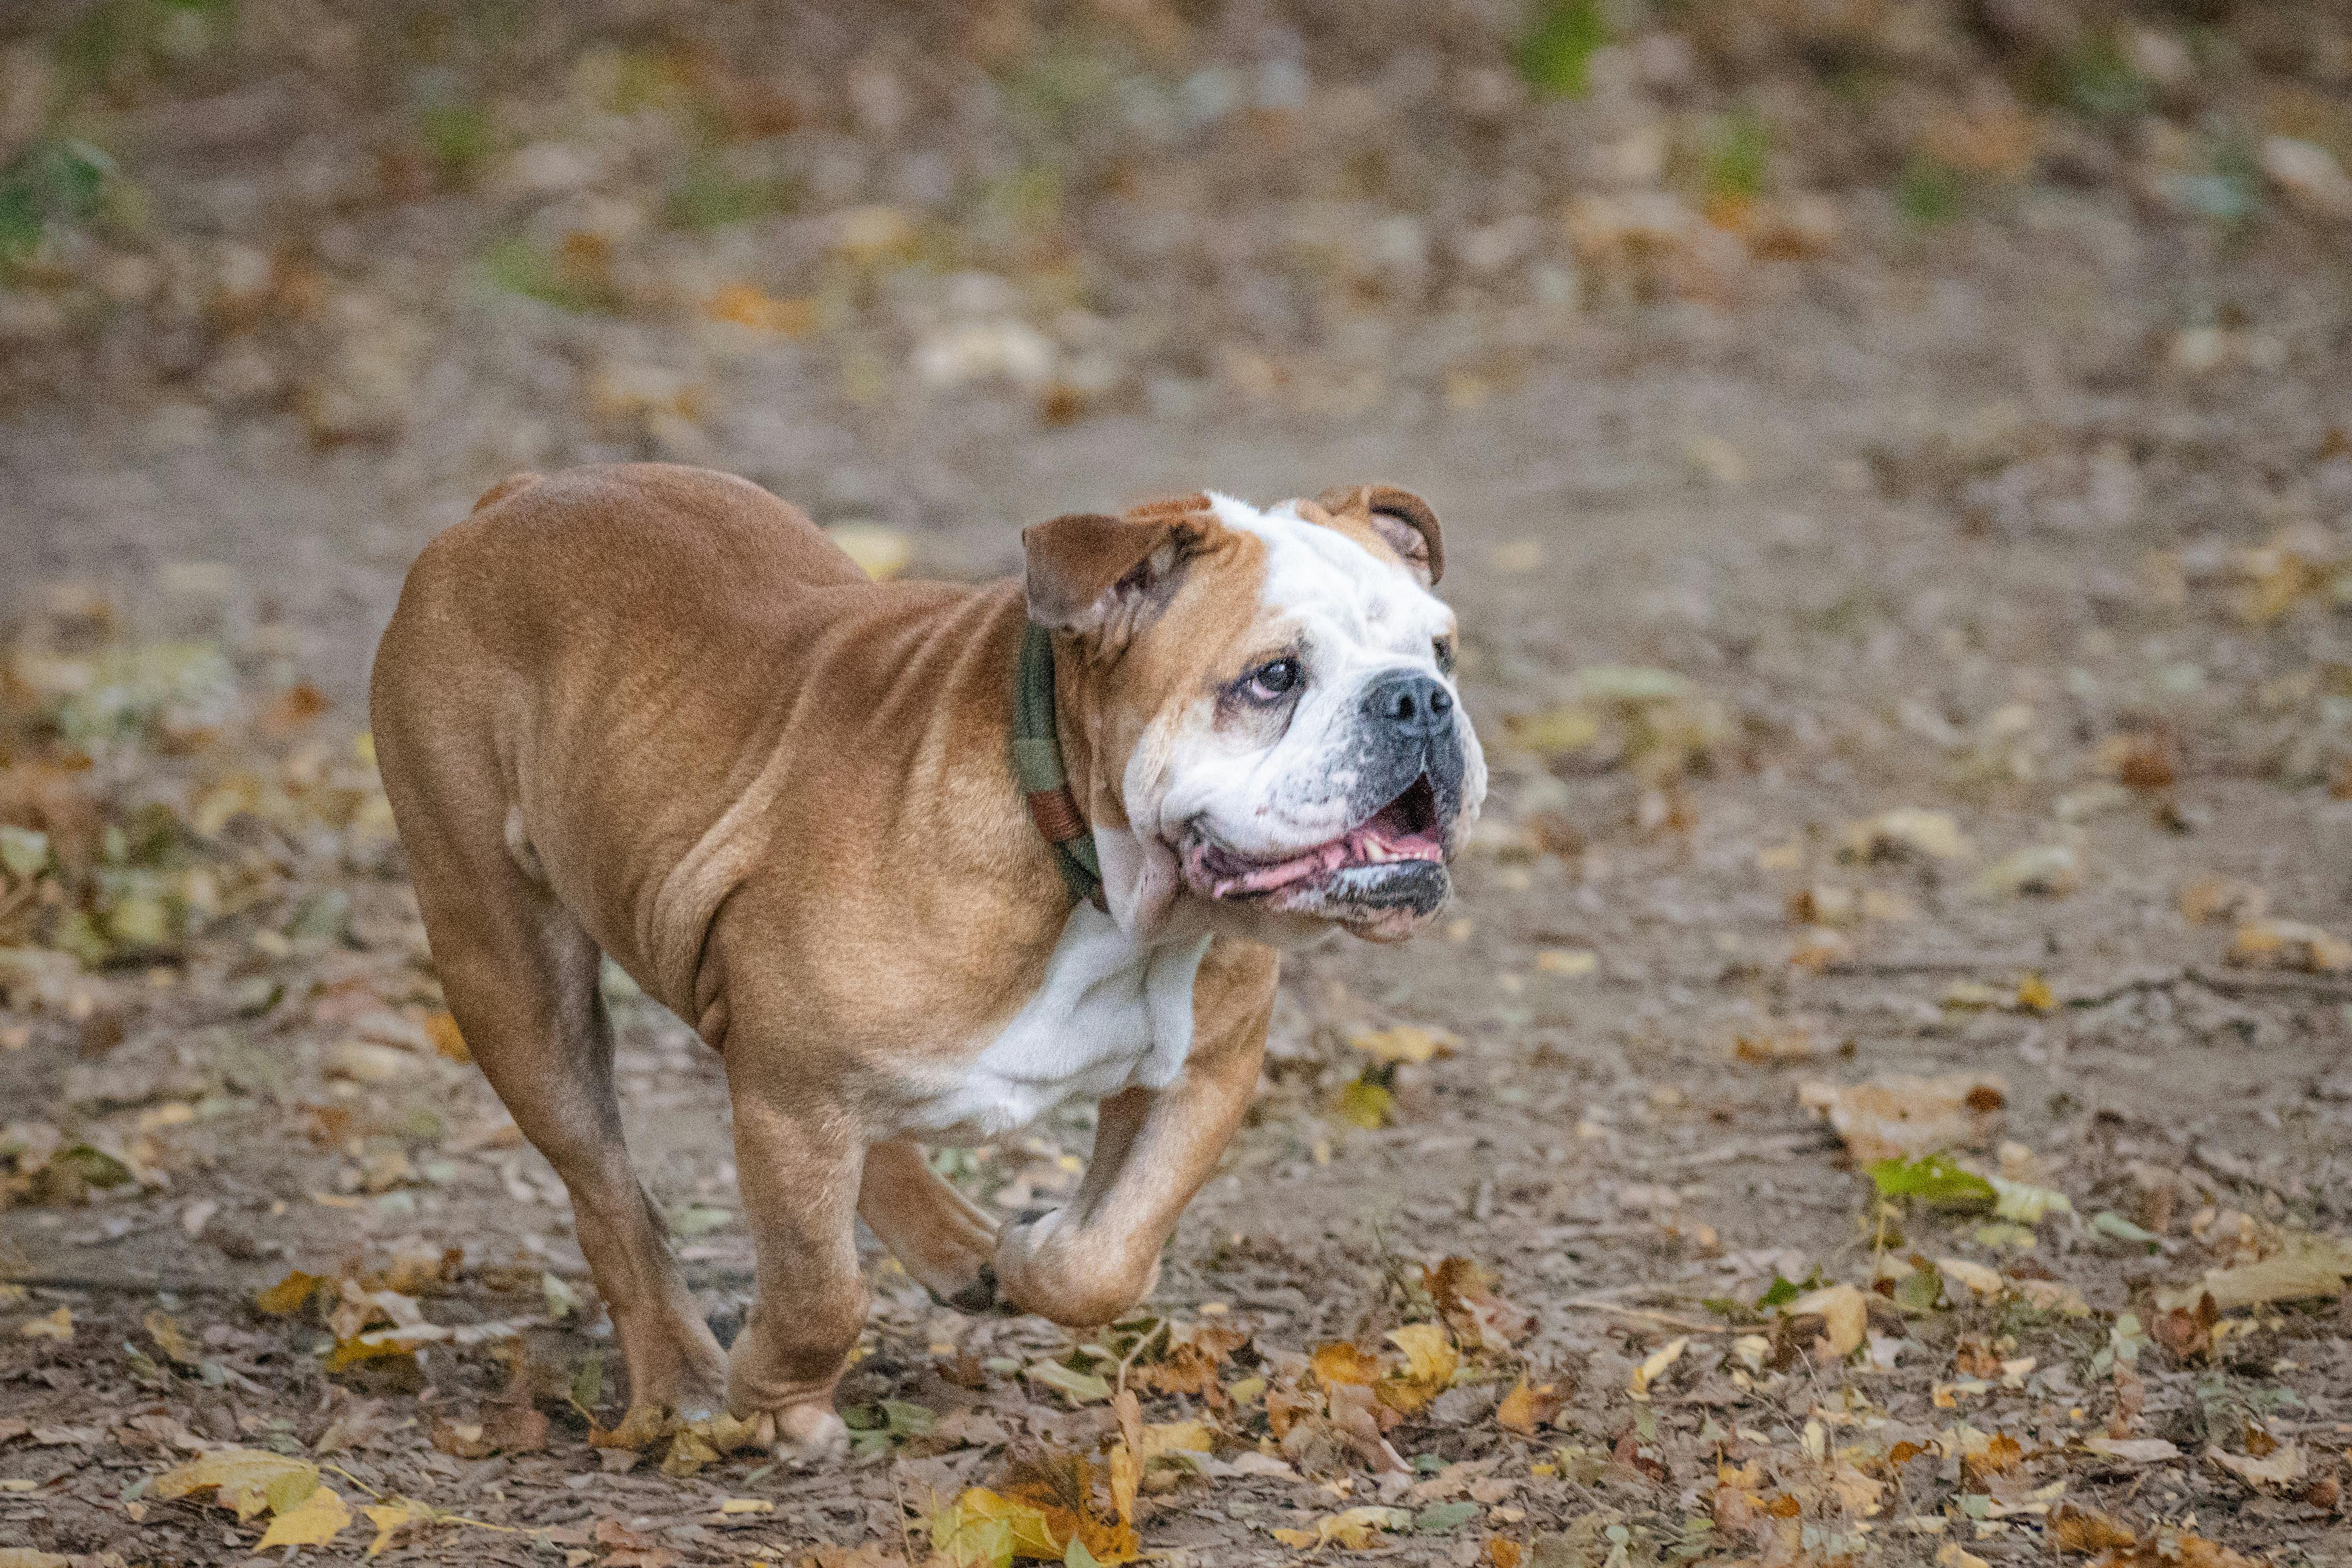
1844, 1313
2283, 1465
2290, 944
1898, 1117
1357, 1529
1907, 830
2308, 1265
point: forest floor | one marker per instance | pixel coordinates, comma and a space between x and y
1919, 693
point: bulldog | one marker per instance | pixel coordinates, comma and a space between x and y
918, 859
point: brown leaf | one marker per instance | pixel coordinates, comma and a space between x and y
1902, 1117
2073, 1529
1340, 1362
627, 1548
1529, 1405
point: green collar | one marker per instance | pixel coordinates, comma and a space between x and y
1037, 766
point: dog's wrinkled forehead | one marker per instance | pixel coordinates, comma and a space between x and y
1337, 580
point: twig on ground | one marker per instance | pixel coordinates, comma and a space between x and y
1687, 1325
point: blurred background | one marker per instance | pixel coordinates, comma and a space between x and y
1895, 459
298, 279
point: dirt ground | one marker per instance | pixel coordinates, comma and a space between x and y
2034, 529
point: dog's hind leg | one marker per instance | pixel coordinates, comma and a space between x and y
942, 1239
520, 976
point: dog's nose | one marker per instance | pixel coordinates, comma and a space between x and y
1410, 704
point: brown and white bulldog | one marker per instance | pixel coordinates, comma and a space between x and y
653, 712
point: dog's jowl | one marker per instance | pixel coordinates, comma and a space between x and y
919, 860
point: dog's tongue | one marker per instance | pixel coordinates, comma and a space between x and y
1265, 878
1359, 845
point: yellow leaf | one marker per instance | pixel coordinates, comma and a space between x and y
2033, 992
56, 1325
1430, 1359
1356, 1529
357, 1348
1367, 1105
880, 553
1178, 1437
1029, 1533
1650, 1371
1405, 1043
1555, 731
171, 1339
1340, 1362
746, 1504
290, 1294
2307, 1267
1984, 1281
1844, 1313
447, 1039
1527, 1406
248, 1480
390, 1518
315, 1520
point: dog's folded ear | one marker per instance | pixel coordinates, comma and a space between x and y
1398, 517
1087, 569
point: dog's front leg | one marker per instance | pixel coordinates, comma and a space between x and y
1088, 1262
798, 1168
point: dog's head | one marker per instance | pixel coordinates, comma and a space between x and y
1268, 699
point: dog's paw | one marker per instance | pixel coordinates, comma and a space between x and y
809, 1435
1048, 1267
977, 1298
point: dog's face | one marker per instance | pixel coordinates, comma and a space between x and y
1271, 709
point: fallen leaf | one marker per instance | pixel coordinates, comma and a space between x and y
880, 553
1357, 1529
1978, 1279
1529, 1405
245, 1479
1844, 1313
1340, 1362
2283, 1465
315, 1520
447, 1039
1079, 1387
1405, 1042
2027, 1204
2133, 1450
1655, 1367
1910, 831
57, 1325
172, 1339
2289, 944
2211, 900
2076, 1529
1430, 1363
1900, 1117
2308, 1265
2046, 870
394, 1516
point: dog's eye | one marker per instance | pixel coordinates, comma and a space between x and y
1273, 679
1443, 648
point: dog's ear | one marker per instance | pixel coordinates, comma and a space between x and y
1400, 517
1087, 569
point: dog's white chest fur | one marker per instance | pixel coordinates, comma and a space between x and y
1111, 1014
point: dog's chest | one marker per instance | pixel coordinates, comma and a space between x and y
1110, 1014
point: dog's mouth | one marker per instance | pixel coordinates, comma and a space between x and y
1394, 859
